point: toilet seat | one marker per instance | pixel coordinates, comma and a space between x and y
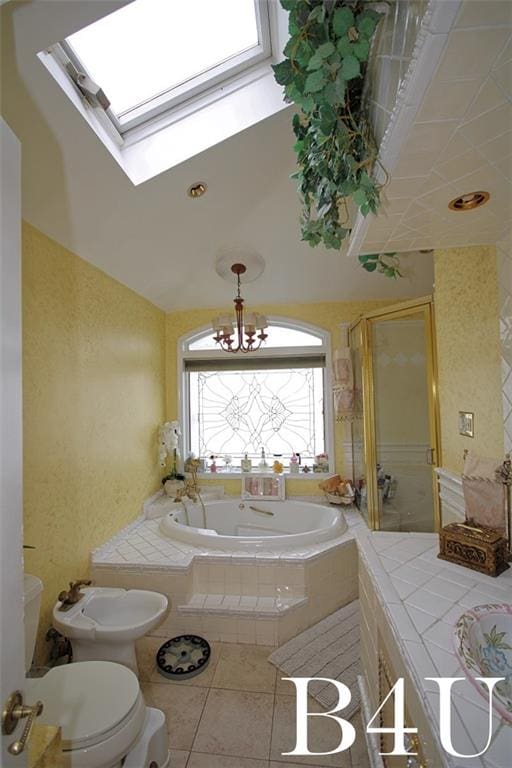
97, 704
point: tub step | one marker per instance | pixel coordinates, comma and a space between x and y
240, 605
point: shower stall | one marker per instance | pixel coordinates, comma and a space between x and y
395, 427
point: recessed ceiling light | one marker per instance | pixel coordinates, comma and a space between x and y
197, 189
469, 202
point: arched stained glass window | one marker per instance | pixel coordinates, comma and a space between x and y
273, 399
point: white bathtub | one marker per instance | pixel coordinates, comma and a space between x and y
252, 525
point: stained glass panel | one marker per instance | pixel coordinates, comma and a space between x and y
238, 412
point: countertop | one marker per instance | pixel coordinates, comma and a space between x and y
423, 597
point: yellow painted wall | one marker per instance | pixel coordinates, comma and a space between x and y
93, 397
468, 348
327, 315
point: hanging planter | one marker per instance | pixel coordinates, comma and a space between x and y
323, 74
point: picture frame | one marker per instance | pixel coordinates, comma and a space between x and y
466, 423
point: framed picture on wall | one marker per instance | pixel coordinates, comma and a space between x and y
466, 424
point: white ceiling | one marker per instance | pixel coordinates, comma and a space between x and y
163, 245
460, 142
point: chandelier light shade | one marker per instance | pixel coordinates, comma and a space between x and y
240, 333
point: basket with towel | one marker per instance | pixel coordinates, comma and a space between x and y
480, 543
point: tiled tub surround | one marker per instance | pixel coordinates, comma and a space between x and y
262, 598
410, 601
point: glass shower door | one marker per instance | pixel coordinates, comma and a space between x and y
358, 446
403, 418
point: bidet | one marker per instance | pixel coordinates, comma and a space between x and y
105, 623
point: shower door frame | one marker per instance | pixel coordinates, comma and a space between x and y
425, 305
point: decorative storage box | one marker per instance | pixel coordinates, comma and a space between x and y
263, 486
480, 549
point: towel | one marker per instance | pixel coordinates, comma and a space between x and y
343, 384
484, 496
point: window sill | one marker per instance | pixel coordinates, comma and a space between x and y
222, 475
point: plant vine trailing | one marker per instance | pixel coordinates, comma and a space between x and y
323, 74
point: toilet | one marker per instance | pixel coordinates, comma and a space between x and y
105, 623
97, 704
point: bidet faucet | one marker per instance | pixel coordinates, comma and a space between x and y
73, 595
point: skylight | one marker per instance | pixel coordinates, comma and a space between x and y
152, 53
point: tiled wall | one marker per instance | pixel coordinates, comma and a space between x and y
504, 256
325, 583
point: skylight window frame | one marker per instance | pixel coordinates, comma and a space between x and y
226, 72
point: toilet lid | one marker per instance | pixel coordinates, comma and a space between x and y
87, 699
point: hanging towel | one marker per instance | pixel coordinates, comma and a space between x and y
343, 384
484, 496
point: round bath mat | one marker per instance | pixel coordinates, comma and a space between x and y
183, 657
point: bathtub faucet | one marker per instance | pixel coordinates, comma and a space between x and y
190, 489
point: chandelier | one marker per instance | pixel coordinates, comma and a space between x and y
230, 332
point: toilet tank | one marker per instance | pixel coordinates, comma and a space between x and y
32, 588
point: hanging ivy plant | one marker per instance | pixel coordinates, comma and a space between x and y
386, 263
323, 75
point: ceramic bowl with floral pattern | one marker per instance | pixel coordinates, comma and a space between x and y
483, 644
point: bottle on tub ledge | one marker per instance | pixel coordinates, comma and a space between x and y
294, 464
246, 464
263, 466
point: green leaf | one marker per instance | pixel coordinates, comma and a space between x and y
367, 21
340, 87
350, 67
359, 196
342, 20
317, 14
315, 81
364, 257
288, 5
361, 49
304, 53
370, 266
322, 53
329, 95
365, 181
344, 47
283, 72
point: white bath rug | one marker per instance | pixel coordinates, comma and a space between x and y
329, 649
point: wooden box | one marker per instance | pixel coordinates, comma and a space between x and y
480, 549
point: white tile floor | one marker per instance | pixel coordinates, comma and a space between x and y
238, 714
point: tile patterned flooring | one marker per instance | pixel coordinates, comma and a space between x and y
238, 713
